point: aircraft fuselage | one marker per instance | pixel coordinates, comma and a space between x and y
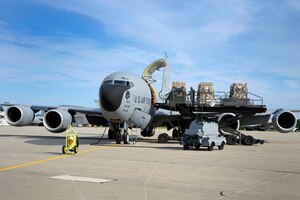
125, 97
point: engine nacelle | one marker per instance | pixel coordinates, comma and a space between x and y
19, 115
224, 121
284, 121
57, 121
148, 132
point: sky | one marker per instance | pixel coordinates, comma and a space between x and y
55, 52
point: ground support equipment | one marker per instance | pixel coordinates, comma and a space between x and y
197, 136
72, 142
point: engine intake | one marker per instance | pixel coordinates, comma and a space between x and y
19, 115
226, 122
148, 132
57, 121
284, 121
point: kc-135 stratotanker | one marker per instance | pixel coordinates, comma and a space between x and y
129, 101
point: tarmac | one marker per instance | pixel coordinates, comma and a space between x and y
33, 167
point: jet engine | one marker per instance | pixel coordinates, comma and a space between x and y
284, 121
148, 132
19, 115
225, 121
57, 121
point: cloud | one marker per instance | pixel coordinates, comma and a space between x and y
240, 41
54, 66
65, 59
293, 84
294, 4
161, 25
2, 23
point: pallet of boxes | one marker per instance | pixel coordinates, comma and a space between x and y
177, 94
238, 95
205, 94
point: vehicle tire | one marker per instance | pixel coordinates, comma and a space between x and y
118, 138
111, 135
75, 149
186, 147
163, 138
197, 146
221, 147
230, 139
248, 140
211, 147
126, 137
64, 149
77, 141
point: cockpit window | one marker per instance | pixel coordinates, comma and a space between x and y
117, 82
125, 83
107, 82
131, 84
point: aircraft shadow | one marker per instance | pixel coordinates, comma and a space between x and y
60, 140
94, 141
56, 140
179, 147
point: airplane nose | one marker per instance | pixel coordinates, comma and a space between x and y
111, 96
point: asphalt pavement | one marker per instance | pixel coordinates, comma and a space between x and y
33, 167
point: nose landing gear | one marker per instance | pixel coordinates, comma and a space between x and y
123, 135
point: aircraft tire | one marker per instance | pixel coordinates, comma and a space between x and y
126, 137
118, 138
197, 146
186, 147
163, 138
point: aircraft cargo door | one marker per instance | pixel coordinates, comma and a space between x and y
140, 118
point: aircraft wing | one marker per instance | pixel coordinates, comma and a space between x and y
283, 121
70, 108
56, 118
295, 110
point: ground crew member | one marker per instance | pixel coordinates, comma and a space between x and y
192, 96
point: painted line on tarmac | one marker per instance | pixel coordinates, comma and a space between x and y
53, 158
80, 179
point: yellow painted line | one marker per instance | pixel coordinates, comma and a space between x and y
51, 159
